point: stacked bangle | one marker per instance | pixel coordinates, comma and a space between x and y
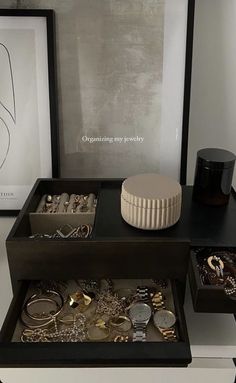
45, 319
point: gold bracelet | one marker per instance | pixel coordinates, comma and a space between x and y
35, 298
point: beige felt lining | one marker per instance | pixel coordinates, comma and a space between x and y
153, 334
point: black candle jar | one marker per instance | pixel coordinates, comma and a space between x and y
213, 176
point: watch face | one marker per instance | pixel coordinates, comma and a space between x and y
140, 312
164, 319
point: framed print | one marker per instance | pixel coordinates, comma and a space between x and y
28, 112
131, 71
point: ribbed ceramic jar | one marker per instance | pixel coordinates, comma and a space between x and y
151, 201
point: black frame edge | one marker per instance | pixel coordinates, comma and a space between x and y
53, 93
187, 91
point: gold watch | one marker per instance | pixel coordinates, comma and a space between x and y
163, 319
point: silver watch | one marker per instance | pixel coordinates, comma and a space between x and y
140, 314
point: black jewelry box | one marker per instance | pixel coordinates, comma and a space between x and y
115, 250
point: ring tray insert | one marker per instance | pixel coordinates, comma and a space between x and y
45, 222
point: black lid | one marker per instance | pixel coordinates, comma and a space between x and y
215, 158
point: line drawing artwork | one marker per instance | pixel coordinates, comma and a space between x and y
5, 142
5, 52
9, 93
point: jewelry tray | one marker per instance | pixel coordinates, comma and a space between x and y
206, 297
153, 335
155, 352
48, 223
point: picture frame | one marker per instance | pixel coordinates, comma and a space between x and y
133, 81
29, 139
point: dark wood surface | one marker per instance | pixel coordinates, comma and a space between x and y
203, 225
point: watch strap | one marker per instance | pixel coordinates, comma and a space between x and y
158, 301
143, 293
139, 333
169, 334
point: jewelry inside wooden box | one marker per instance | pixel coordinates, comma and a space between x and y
217, 267
106, 310
64, 216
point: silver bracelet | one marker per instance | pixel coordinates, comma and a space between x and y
139, 333
67, 232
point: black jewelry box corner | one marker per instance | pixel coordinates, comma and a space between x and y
208, 298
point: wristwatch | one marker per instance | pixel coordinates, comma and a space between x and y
163, 319
140, 314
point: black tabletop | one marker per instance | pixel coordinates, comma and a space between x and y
203, 225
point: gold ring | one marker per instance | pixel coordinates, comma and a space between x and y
121, 322
121, 338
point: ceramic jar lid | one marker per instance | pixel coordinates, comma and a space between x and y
151, 201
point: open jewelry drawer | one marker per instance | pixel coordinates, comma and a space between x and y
155, 351
210, 292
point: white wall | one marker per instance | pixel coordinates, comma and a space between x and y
213, 99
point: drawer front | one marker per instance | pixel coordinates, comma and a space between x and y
63, 260
151, 353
